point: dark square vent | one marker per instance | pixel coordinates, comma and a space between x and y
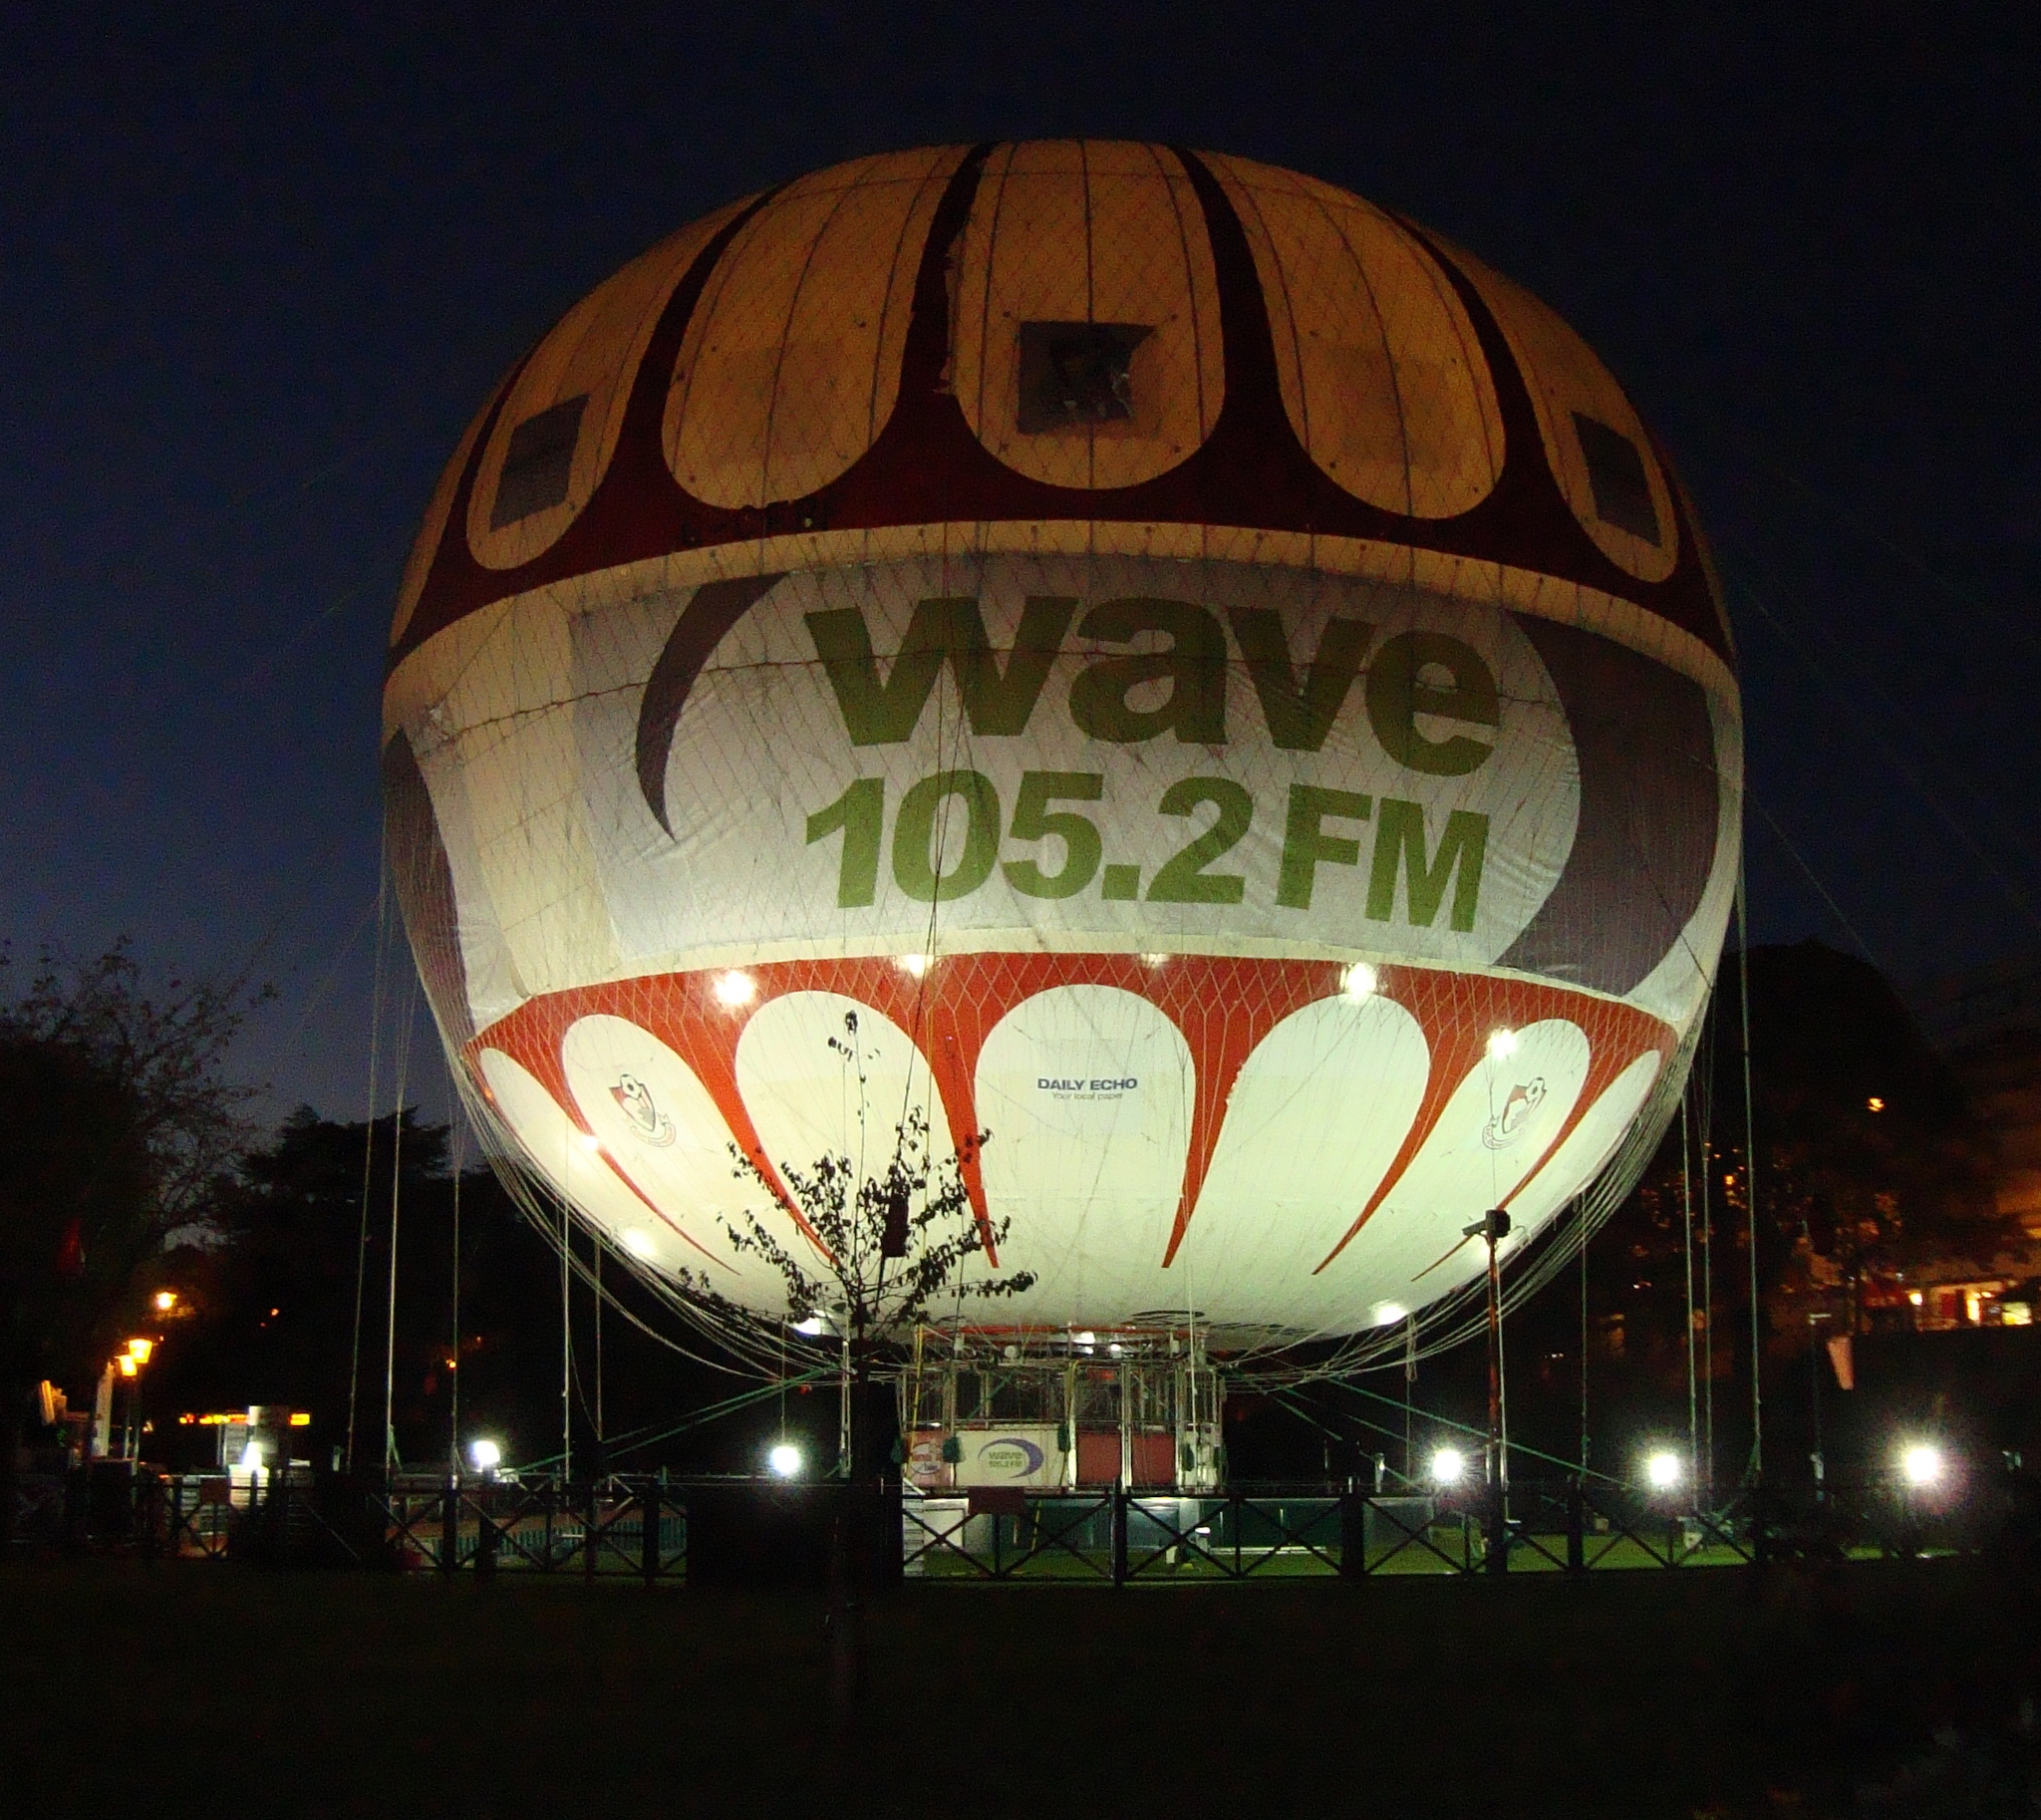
538, 463
1076, 372
1616, 473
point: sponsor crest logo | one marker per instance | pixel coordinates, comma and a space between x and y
1507, 1126
648, 1123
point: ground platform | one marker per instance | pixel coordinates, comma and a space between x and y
187, 1687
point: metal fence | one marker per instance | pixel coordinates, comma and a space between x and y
1279, 1533
612, 1528
637, 1528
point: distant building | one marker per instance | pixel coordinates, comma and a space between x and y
1987, 1022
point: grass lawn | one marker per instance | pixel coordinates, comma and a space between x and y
210, 1689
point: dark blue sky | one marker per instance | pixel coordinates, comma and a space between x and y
258, 269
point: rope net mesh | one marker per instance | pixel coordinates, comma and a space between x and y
1186, 688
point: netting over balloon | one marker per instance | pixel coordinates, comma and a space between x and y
1186, 683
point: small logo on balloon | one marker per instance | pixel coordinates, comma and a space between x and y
1507, 1126
650, 1125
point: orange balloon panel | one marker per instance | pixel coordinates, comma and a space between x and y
1180, 677
1383, 379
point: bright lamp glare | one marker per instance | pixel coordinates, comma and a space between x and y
1920, 1463
166, 1300
486, 1455
638, 1240
1502, 1045
1661, 1470
1359, 981
915, 964
735, 989
589, 1141
810, 1325
1448, 1466
786, 1460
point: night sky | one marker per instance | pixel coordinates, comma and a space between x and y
258, 270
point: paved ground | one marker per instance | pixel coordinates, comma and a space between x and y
215, 1689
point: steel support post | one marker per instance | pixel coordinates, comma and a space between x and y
485, 1531
1497, 1524
1352, 1536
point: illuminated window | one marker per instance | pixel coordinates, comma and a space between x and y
1076, 372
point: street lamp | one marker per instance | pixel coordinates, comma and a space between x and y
128, 1365
785, 1460
1448, 1468
1663, 1469
486, 1455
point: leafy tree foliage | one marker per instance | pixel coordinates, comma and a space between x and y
888, 1248
475, 1353
119, 1122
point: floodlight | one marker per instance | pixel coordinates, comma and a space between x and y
1448, 1466
486, 1455
1663, 1469
1359, 981
736, 987
1921, 1464
785, 1460
251, 1456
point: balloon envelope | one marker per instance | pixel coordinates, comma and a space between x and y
1138, 656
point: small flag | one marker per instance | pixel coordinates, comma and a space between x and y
1844, 1359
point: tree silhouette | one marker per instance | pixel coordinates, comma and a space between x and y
886, 1249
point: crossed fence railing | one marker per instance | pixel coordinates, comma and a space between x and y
612, 1528
636, 1527
1276, 1533
1560, 1527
